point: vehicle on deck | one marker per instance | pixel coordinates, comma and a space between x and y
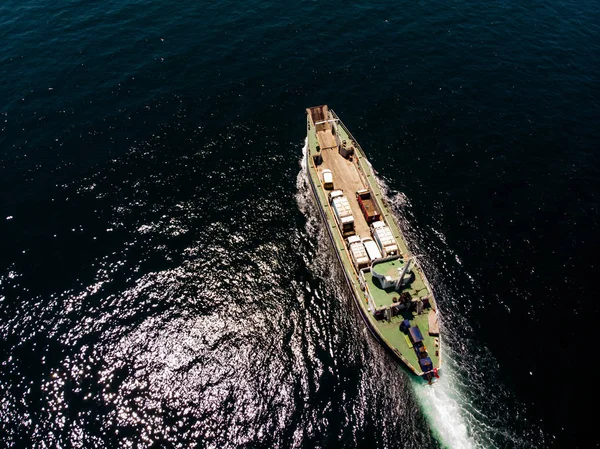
367, 205
342, 211
386, 242
327, 179
358, 252
372, 249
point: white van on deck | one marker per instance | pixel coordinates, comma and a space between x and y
327, 179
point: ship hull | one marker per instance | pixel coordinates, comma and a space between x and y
353, 277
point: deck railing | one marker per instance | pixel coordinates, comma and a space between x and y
356, 144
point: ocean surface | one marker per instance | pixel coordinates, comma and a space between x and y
165, 280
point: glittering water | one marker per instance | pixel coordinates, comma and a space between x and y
165, 280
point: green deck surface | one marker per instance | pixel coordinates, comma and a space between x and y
388, 331
380, 296
389, 267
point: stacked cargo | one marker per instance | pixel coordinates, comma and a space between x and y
372, 250
342, 211
358, 252
384, 238
416, 338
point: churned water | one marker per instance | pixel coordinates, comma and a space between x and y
165, 280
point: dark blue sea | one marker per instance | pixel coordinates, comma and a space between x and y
165, 280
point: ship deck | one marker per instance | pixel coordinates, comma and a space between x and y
390, 329
351, 175
392, 334
384, 297
346, 177
326, 139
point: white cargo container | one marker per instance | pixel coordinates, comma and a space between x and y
372, 249
342, 211
384, 238
358, 252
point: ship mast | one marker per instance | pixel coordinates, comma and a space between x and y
404, 270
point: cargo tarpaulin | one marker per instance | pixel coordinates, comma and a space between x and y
415, 334
426, 364
404, 326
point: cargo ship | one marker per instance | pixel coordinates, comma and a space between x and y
387, 283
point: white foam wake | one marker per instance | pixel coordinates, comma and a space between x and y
441, 405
